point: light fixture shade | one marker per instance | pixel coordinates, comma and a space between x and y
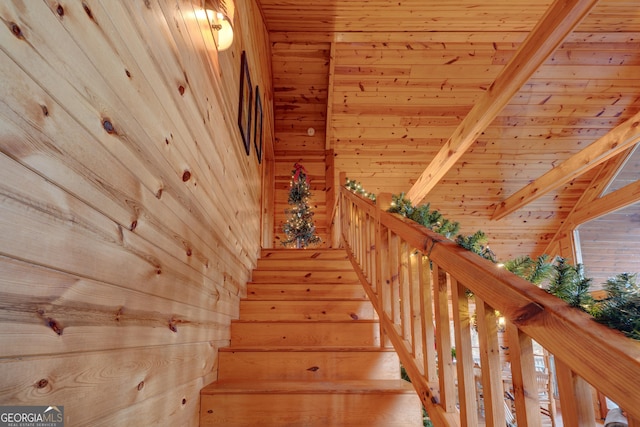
220, 17
225, 34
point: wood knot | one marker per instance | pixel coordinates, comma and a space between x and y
313, 369
140, 385
189, 253
186, 176
133, 226
108, 126
354, 316
55, 326
172, 327
42, 383
60, 10
527, 313
45, 110
15, 29
88, 11
181, 89
184, 401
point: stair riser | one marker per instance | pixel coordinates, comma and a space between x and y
307, 265
308, 366
334, 334
311, 410
306, 310
316, 254
304, 276
310, 291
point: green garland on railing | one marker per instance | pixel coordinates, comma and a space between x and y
423, 215
620, 309
357, 188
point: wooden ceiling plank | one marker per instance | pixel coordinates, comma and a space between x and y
559, 20
619, 139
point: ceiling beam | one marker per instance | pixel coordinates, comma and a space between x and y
558, 21
599, 183
626, 196
622, 137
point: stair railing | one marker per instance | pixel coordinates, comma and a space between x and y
419, 283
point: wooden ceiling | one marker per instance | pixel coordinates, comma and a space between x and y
387, 85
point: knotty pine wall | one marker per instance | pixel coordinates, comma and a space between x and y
129, 211
301, 80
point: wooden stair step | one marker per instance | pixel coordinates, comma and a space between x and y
316, 265
306, 352
387, 403
355, 333
315, 291
317, 254
304, 310
310, 387
304, 276
307, 364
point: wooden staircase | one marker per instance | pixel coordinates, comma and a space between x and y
306, 352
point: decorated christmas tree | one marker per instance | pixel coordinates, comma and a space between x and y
299, 227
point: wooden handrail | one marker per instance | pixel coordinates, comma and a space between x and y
417, 281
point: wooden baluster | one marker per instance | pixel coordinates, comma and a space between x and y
350, 223
394, 285
443, 339
523, 377
405, 298
372, 252
575, 398
384, 296
492, 388
358, 239
366, 247
464, 355
415, 265
428, 331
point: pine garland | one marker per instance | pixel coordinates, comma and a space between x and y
357, 188
620, 309
423, 215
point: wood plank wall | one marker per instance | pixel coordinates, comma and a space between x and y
129, 211
301, 78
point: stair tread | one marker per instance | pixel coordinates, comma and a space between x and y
315, 387
307, 321
302, 299
319, 253
302, 348
284, 283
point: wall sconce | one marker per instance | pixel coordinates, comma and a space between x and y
220, 18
